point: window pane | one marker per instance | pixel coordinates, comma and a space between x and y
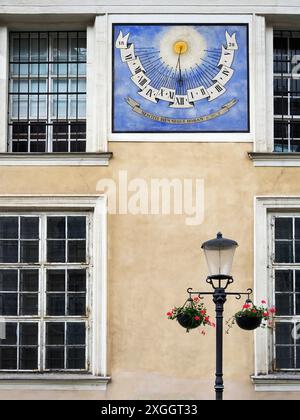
55, 333
29, 228
76, 333
284, 252
298, 358
8, 358
29, 304
8, 227
297, 251
56, 227
56, 281
281, 146
29, 280
76, 280
76, 227
280, 46
284, 304
285, 357
56, 304
76, 304
297, 274
28, 358
284, 281
295, 146
298, 304
284, 333
55, 358
8, 280
295, 134
56, 251
280, 87
28, 334
77, 251
76, 358
283, 228
29, 251
281, 106
10, 334
280, 130
8, 304
8, 252
295, 107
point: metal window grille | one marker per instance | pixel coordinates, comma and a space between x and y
47, 92
286, 274
286, 91
45, 292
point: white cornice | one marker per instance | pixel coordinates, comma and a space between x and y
55, 159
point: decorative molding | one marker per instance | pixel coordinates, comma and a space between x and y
53, 382
55, 159
76, 7
276, 383
96, 203
275, 159
264, 208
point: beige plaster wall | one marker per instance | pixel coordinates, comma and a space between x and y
153, 259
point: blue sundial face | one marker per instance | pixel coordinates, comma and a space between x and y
180, 78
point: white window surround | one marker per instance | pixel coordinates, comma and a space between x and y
182, 137
98, 379
263, 377
263, 155
97, 149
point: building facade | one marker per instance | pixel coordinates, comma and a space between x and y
131, 133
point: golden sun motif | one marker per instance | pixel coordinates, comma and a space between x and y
180, 47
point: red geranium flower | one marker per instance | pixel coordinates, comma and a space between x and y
247, 306
197, 318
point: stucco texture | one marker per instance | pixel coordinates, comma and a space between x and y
154, 259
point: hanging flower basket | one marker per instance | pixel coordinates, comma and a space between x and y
252, 317
188, 322
191, 315
248, 323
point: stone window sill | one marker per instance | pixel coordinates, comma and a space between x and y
275, 159
55, 382
55, 159
278, 382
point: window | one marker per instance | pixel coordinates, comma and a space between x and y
286, 91
47, 92
286, 276
45, 268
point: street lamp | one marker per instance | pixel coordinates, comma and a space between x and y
219, 255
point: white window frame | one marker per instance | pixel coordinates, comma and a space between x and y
263, 154
96, 99
264, 208
97, 206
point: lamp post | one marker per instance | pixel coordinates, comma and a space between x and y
219, 255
